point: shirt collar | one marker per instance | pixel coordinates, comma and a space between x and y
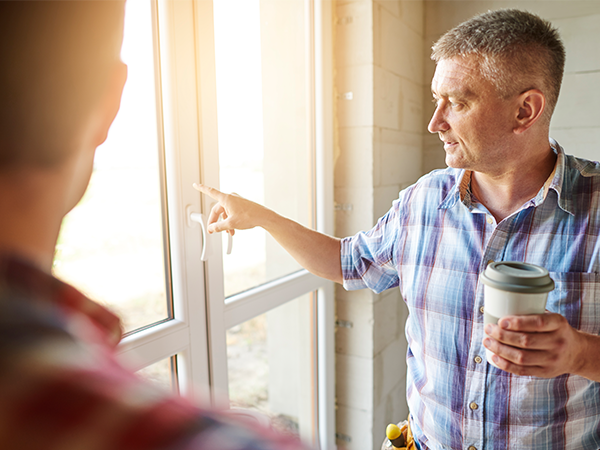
460, 191
556, 182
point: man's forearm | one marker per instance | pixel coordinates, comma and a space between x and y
316, 252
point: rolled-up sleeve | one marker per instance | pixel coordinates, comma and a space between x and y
368, 258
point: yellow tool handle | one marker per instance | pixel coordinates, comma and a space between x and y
395, 435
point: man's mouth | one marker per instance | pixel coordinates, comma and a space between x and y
449, 144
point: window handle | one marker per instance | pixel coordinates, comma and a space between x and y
229, 243
199, 218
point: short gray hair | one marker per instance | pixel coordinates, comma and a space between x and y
516, 50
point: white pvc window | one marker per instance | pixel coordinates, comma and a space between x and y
273, 148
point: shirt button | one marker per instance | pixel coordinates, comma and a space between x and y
490, 220
481, 309
473, 406
472, 447
489, 262
477, 359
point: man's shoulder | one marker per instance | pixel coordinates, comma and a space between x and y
581, 176
579, 186
581, 167
432, 190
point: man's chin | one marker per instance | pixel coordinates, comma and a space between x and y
454, 162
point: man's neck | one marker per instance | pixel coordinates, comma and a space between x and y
33, 219
505, 193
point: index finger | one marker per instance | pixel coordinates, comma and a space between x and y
210, 191
532, 323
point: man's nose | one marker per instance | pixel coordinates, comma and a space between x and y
437, 122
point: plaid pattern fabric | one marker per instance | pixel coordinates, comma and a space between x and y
61, 387
433, 244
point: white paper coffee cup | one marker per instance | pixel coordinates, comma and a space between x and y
513, 288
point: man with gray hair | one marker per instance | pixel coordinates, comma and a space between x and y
510, 193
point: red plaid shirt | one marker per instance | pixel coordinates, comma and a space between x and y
61, 386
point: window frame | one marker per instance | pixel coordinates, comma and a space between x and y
186, 84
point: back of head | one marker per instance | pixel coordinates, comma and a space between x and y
516, 51
55, 59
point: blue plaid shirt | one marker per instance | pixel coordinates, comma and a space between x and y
433, 244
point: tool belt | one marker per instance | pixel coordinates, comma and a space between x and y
399, 437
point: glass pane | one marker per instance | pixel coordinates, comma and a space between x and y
111, 244
271, 361
263, 105
162, 373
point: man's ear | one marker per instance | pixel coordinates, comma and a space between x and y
111, 102
531, 104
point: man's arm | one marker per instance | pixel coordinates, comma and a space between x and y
316, 252
543, 345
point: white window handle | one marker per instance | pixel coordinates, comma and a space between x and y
199, 218
229, 243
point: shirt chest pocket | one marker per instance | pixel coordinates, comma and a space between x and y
575, 297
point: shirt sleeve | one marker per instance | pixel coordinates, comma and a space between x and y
368, 258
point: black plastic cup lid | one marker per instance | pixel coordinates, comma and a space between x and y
517, 277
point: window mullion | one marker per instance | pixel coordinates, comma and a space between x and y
181, 132
209, 156
324, 94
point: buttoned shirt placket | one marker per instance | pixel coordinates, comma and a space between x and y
476, 371
479, 372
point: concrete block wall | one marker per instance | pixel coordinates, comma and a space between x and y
379, 84
576, 120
